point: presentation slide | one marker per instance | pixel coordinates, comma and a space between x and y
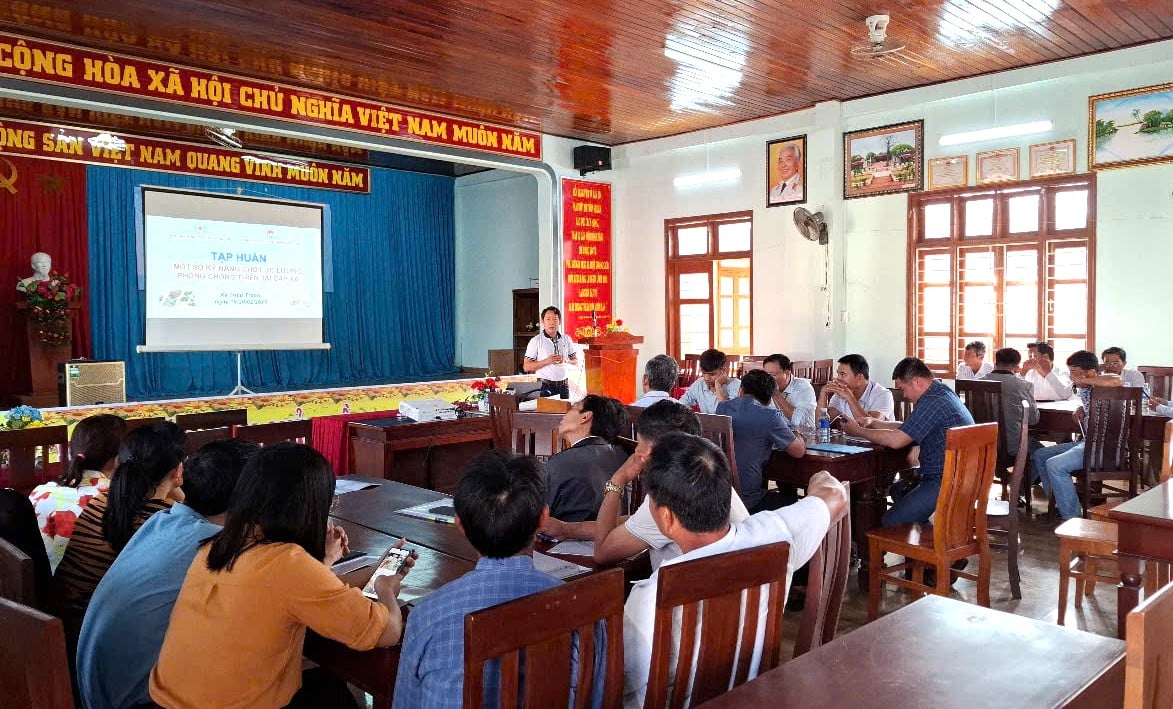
231, 273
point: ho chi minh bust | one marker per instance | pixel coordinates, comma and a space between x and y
42, 263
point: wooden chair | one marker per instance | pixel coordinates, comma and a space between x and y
1112, 445
959, 528
536, 434
132, 424
825, 585
633, 414
197, 439
635, 489
502, 406
1167, 455
18, 577
35, 670
25, 447
748, 365
824, 372
1083, 545
212, 419
718, 428
1159, 379
543, 626
297, 430
690, 369
733, 365
902, 407
1148, 668
1002, 515
984, 401
804, 368
712, 589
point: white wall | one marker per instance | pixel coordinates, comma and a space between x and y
869, 240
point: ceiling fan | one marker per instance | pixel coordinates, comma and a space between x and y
812, 226
882, 47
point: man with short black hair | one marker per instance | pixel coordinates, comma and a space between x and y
1018, 401
548, 352
973, 364
937, 410
757, 431
852, 394
794, 396
131, 608
660, 375
713, 386
1114, 360
575, 476
689, 495
1051, 382
500, 503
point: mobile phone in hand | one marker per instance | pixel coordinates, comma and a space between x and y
391, 564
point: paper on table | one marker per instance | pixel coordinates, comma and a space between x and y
436, 511
573, 548
344, 485
557, 567
345, 567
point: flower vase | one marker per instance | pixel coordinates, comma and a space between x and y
483, 404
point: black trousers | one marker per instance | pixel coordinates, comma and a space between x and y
552, 388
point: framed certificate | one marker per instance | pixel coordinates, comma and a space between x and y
952, 171
1057, 158
997, 166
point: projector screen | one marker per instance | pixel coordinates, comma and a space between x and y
230, 273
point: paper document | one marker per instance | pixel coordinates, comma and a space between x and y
344, 485
837, 448
345, 567
437, 511
557, 567
573, 548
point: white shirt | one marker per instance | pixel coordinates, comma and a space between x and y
800, 394
803, 524
1164, 409
1132, 378
1056, 386
875, 398
540, 347
661, 548
788, 190
964, 372
651, 397
699, 394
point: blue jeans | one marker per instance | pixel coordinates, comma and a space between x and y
915, 505
1055, 465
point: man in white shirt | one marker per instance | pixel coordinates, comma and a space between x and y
851, 394
973, 364
547, 353
789, 187
689, 491
1113, 361
660, 375
1051, 382
795, 396
713, 386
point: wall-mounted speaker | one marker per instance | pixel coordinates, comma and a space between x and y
80, 383
591, 158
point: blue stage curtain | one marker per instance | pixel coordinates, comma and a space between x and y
390, 318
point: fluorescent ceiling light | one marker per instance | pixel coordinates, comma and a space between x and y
713, 177
976, 136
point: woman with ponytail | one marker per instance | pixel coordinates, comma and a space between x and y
93, 455
147, 479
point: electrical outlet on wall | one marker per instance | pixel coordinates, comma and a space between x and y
843, 316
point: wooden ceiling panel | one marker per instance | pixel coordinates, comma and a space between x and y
610, 71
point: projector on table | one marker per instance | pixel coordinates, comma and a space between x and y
427, 410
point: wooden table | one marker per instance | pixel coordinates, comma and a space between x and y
940, 653
1145, 532
427, 454
1055, 416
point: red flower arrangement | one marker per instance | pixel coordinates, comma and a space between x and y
49, 307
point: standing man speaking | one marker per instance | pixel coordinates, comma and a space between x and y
547, 353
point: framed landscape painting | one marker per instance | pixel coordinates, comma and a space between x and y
883, 160
1133, 127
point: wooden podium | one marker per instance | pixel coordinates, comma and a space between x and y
43, 359
610, 364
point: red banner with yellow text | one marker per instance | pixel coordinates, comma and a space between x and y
586, 253
67, 65
56, 142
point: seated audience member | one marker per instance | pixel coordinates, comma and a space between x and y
1018, 400
1114, 360
239, 623
1050, 381
660, 375
1161, 406
128, 615
852, 394
500, 504
147, 480
973, 364
757, 431
688, 484
937, 410
714, 384
1056, 464
575, 476
794, 396
617, 539
93, 455
18, 527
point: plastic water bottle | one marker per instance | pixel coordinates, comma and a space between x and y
824, 426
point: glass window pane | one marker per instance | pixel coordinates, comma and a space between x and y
979, 217
1070, 309
725, 285
694, 286
1022, 266
977, 311
1022, 309
725, 317
726, 338
743, 311
978, 266
1071, 209
937, 350
1070, 263
938, 220
1066, 346
694, 327
936, 308
1020, 343
733, 237
937, 268
743, 286
1024, 213
692, 240
743, 337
